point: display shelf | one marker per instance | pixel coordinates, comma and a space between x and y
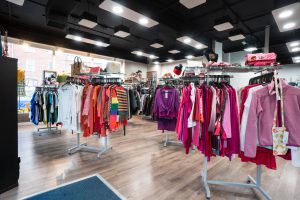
242, 68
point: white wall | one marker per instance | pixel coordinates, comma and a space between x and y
132, 67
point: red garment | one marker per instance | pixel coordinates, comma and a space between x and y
264, 157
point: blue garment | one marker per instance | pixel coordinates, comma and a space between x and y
33, 106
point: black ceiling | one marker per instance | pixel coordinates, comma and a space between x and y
47, 22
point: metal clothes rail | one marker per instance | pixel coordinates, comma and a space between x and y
249, 183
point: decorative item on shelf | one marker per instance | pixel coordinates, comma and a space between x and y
189, 72
113, 67
62, 78
211, 55
178, 69
261, 59
167, 75
50, 77
21, 75
78, 67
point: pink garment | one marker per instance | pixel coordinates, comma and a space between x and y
227, 118
87, 102
196, 136
261, 113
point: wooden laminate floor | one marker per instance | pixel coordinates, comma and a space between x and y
139, 167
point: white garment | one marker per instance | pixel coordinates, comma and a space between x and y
192, 123
68, 107
245, 115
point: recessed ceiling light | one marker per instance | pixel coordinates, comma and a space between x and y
174, 51
285, 14
192, 3
191, 42
77, 38
198, 46
117, 10
250, 49
170, 60
189, 56
151, 56
88, 20
156, 62
187, 40
99, 43
294, 44
156, 45
122, 31
236, 37
139, 53
297, 58
127, 13
289, 25
295, 49
143, 21
223, 26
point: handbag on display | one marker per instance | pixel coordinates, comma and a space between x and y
178, 69
76, 67
113, 67
279, 134
261, 59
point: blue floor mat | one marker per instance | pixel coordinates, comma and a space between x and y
91, 189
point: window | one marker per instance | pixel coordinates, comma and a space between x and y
30, 65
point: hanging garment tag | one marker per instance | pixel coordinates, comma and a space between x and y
166, 95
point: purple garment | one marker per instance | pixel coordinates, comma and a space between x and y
165, 108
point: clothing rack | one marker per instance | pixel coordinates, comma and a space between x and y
251, 182
49, 128
83, 147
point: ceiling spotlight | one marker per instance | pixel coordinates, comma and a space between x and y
151, 56
297, 58
189, 56
295, 49
77, 38
156, 62
117, 10
170, 60
250, 49
285, 14
174, 51
143, 21
139, 53
198, 46
294, 44
99, 44
187, 40
289, 25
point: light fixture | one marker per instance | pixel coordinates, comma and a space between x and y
236, 35
25, 45
289, 25
122, 31
140, 53
143, 21
157, 44
17, 2
296, 59
77, 38
192, 3
88, 20
287, 18
223, 23
189, 56
295, 49
170, 60
77, 35
190, 41
285, 14
174, 51
198, 46
187, 40
156, 62
294, 44
118, 9
250, 49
